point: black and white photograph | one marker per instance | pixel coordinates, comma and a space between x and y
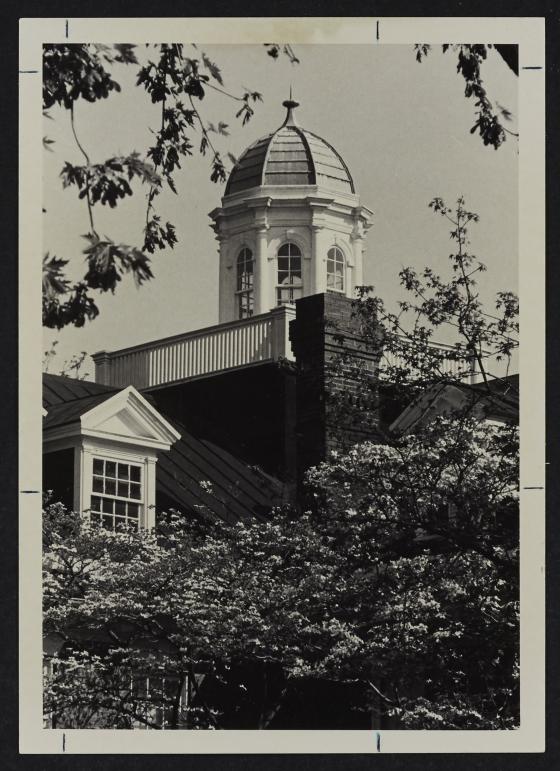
281, 392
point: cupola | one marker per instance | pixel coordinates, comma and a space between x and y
290, 223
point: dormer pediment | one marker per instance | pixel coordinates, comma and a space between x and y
128, 417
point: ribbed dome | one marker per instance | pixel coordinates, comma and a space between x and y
290, 156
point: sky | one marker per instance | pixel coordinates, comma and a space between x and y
402, 128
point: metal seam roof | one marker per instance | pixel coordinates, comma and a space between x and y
290, 155
237, 490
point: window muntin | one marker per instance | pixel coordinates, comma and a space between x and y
117, 494
244, 284
335, 270
290, 283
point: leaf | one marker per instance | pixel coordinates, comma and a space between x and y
125, 53
54, 281
157, 236
213, 69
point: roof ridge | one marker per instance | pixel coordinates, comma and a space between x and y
337, 154
301, 134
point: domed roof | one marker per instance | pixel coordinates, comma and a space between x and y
290, 155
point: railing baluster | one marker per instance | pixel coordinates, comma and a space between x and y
220, 348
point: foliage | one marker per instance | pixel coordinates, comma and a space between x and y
177, 83
402, 580
275, 49
489, 121
405, 341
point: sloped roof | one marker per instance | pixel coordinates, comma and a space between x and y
59, 389
496, 400
200, 476
64, 413
290, 155
195, 475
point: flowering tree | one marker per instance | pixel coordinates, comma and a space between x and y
428, 527
177, 607
401, 584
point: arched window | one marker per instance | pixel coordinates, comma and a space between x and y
336, 265
290, 284
244, 285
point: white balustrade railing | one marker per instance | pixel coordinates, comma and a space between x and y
461, 368
221, 348
194, 354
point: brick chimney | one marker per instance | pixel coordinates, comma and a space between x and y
336, 403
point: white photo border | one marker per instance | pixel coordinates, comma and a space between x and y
528, 34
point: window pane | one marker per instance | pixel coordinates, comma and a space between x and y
284, 250
108, 522
95, 503
123, 471
244, 283
120, 508
110, 487
97, 485
134, 490
135, 473
110, 468
97, 466
244, 269
133, 510
335, 269
122, 489
108, 506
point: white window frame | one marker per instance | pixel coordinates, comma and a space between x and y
244, 293
84, 455
337, 251
122, 519
291, 287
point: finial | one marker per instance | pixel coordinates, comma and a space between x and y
290, 105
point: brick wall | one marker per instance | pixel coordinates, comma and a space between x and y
337, 395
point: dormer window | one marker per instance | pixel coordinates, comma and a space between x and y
290, 283
244, 290
336, 269
110, 447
